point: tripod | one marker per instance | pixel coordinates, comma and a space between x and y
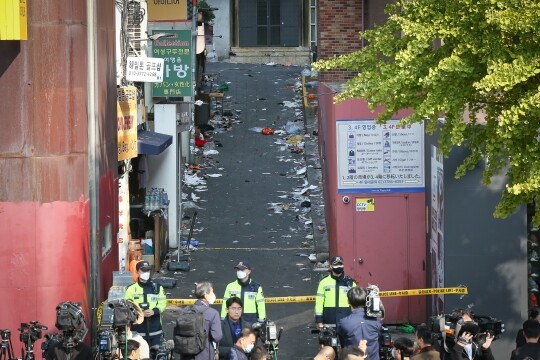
30, 332
6, 347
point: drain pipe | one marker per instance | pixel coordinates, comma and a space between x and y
363, 20
93, 166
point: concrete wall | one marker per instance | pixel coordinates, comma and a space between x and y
222, 27
44, 199
488, 255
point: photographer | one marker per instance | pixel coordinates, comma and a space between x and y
358, 326
403, 348
70, 320
467, 348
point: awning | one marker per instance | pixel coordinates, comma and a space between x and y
152, 143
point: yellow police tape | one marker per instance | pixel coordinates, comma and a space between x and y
299, 299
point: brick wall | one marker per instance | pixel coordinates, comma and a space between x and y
339, 22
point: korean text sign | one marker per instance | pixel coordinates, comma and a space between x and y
374, 158
176, 54
127, 122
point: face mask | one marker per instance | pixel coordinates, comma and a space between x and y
241, 274
394, 353
338, 270
249, 348
145, 276
212, 299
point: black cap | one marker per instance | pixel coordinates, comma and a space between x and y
243, 265
336, 261
143, 265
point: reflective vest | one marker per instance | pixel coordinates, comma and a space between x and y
153, 295
252, 297
331, 304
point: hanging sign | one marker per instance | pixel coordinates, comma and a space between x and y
144, 69
13, 20
176, 54
167, 10
126, 118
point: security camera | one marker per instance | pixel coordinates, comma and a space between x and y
346, 200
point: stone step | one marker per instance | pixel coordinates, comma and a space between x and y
299, 56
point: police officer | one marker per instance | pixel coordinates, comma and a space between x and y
151, 299
249, 291
331, 304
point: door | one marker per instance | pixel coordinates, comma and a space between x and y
269, 23
381, 248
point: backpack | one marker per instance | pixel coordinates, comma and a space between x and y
189, 334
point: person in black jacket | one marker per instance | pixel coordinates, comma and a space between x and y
466, 348
520, 338
531, 349
243, 346
232, 325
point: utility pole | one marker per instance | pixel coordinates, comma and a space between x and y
93, 165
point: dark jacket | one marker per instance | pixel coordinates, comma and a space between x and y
331, 304
212, 326
227, 341
236, 353
458, 353
531, 350
80, 352
427, 353
520, 339
358, 326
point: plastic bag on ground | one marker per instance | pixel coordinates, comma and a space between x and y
294, 128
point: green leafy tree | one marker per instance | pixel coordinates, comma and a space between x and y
208, 13
476, 63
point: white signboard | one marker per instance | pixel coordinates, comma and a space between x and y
144, 69
376, 158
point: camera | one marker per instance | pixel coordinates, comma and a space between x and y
5, 334
328, 336
447, 328
70, 320
385, 344
268, 334
31, 331
374, 307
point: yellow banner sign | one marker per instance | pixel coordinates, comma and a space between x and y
298, 299
167, 10
126, 117
13, 20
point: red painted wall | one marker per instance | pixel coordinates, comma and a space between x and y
44, 197
341, 217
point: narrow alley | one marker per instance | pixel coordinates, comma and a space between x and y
253, 204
